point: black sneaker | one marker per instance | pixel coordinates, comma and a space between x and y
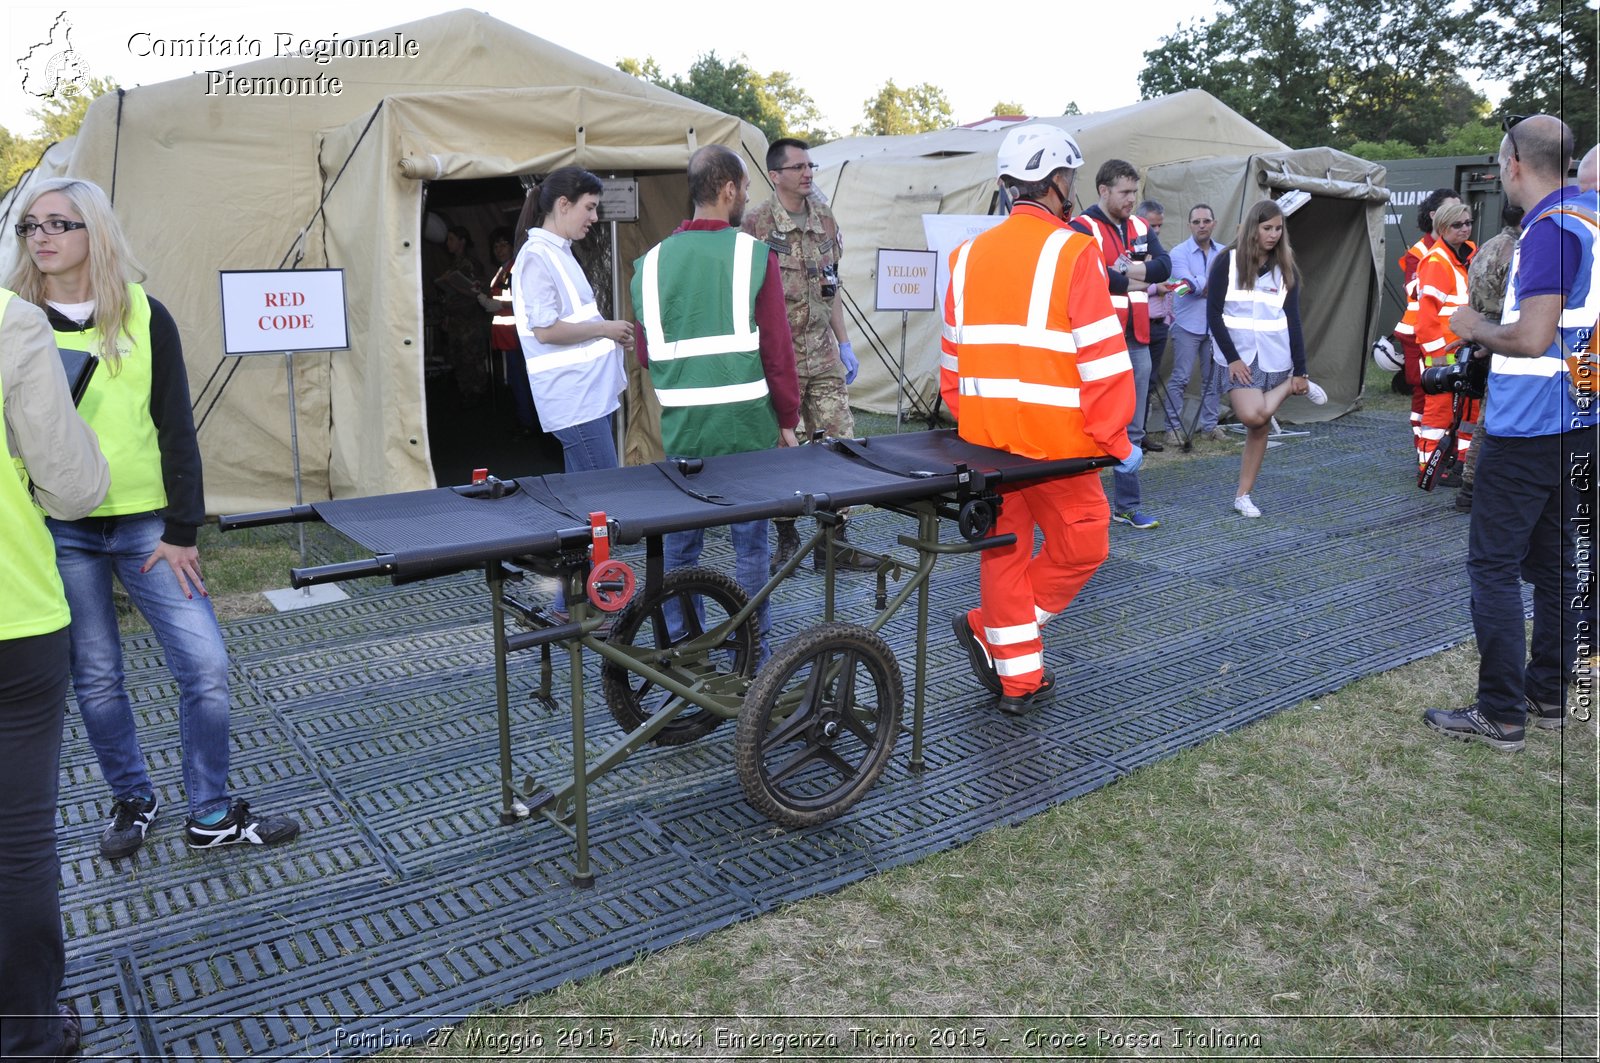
241, 827
1023, 704
130, 821
1471, 725
1546, 717
1152, 445
977, 656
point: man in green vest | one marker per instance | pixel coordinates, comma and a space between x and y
714, 334
54, 466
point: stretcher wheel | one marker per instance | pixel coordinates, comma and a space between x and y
610, 585
976, 519
818, 724
707, 645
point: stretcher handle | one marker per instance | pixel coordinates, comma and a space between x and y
266, 517
343, 570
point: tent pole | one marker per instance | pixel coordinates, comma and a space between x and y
294, 449
619, 427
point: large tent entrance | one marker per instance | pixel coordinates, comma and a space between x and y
469, 388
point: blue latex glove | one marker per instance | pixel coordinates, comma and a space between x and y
851, 367
1132, 462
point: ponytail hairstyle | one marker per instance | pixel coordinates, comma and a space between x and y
112, 266
571, 183
1249, 257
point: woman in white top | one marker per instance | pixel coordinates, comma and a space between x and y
573, 355
1253, 315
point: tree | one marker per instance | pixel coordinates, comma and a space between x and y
772, 103
59, 118
1334, 73
801, 117
1003, 108
646, 69
1394, 70
1072, 108
1547, 47
895, 111
1261, 59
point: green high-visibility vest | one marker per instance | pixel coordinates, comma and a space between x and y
695, 293
117, 406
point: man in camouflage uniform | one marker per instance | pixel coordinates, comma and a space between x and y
1486, 293
801, 229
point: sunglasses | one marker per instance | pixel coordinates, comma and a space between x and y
1508, 125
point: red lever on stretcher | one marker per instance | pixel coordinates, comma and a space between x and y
611, 582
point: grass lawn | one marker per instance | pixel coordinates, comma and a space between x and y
1335, 882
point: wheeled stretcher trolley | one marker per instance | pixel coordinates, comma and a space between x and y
816, 722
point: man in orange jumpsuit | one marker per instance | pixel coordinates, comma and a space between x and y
1034, 362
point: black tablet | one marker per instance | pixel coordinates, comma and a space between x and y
80, 367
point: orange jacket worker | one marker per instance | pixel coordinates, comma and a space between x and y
1034, 363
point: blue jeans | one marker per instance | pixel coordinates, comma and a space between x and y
1189, 351
584, 447
1125, 486
1527, 512
751, 554
88, 551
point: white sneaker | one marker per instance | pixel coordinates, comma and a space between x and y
1315, 393
1246, 507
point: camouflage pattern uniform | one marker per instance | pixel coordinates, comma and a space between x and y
1486, 276
1486, 293
808, 260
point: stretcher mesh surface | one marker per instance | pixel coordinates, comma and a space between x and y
372, 721
442, 530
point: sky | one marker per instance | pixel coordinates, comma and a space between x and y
841, 65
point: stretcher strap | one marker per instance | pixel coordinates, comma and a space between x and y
540, 489
678, 480
858, 450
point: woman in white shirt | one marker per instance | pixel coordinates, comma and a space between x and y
573, 355
1253, 315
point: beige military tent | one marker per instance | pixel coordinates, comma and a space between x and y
292, 175
1188, 147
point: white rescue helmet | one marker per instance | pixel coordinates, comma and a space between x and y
1386, 357
1034, 151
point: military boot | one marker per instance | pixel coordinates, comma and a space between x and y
788, 543
845, 559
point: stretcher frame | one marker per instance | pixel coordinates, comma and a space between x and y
599, 592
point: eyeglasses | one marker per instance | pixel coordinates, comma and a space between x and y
1461, 224
797, 167
1510, 122
53, 226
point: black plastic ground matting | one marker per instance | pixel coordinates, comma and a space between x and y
372, 720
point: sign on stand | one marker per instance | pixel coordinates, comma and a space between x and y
285, 311
906, 282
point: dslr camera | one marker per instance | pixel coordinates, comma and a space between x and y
1468, 375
